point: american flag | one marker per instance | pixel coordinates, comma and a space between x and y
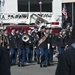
64, 10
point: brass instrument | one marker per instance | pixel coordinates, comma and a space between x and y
25, 38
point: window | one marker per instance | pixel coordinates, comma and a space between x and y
35, 6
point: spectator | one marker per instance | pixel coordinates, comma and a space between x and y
66, 63
4, 62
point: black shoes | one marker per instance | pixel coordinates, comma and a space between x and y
21, 65
44, 65
38, 62
41, 65
18, 65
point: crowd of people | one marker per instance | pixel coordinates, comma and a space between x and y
19, 48
35, 45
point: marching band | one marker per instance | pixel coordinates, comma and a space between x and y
35, 45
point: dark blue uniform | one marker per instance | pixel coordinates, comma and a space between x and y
12, 45
50, 49
21, 49
61, 42
29, 48
43, 49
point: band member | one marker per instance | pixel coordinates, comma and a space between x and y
60, 43
5, 39
29, 46
53, 43
21, 48
12, 46
35, 40
39, 35
42, 45
49, 46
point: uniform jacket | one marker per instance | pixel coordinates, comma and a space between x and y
5, 40
61, 41
29, 43
12, 41
44, 43
20, 42
49, 40
53, 39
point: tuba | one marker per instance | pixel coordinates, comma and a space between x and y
25, 38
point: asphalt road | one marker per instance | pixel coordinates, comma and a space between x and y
34, 69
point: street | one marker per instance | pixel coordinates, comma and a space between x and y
34, 69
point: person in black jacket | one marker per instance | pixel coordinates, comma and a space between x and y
66, 63
53, 43
5, 40
4, 62
35, 40
61, 42
29, 46
42, 46
50, 49
21, 48
12, 45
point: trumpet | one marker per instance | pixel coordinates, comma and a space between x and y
25, 38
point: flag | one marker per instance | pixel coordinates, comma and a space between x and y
64, 10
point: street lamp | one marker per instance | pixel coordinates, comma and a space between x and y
40, 3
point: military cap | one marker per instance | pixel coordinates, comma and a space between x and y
42, 27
